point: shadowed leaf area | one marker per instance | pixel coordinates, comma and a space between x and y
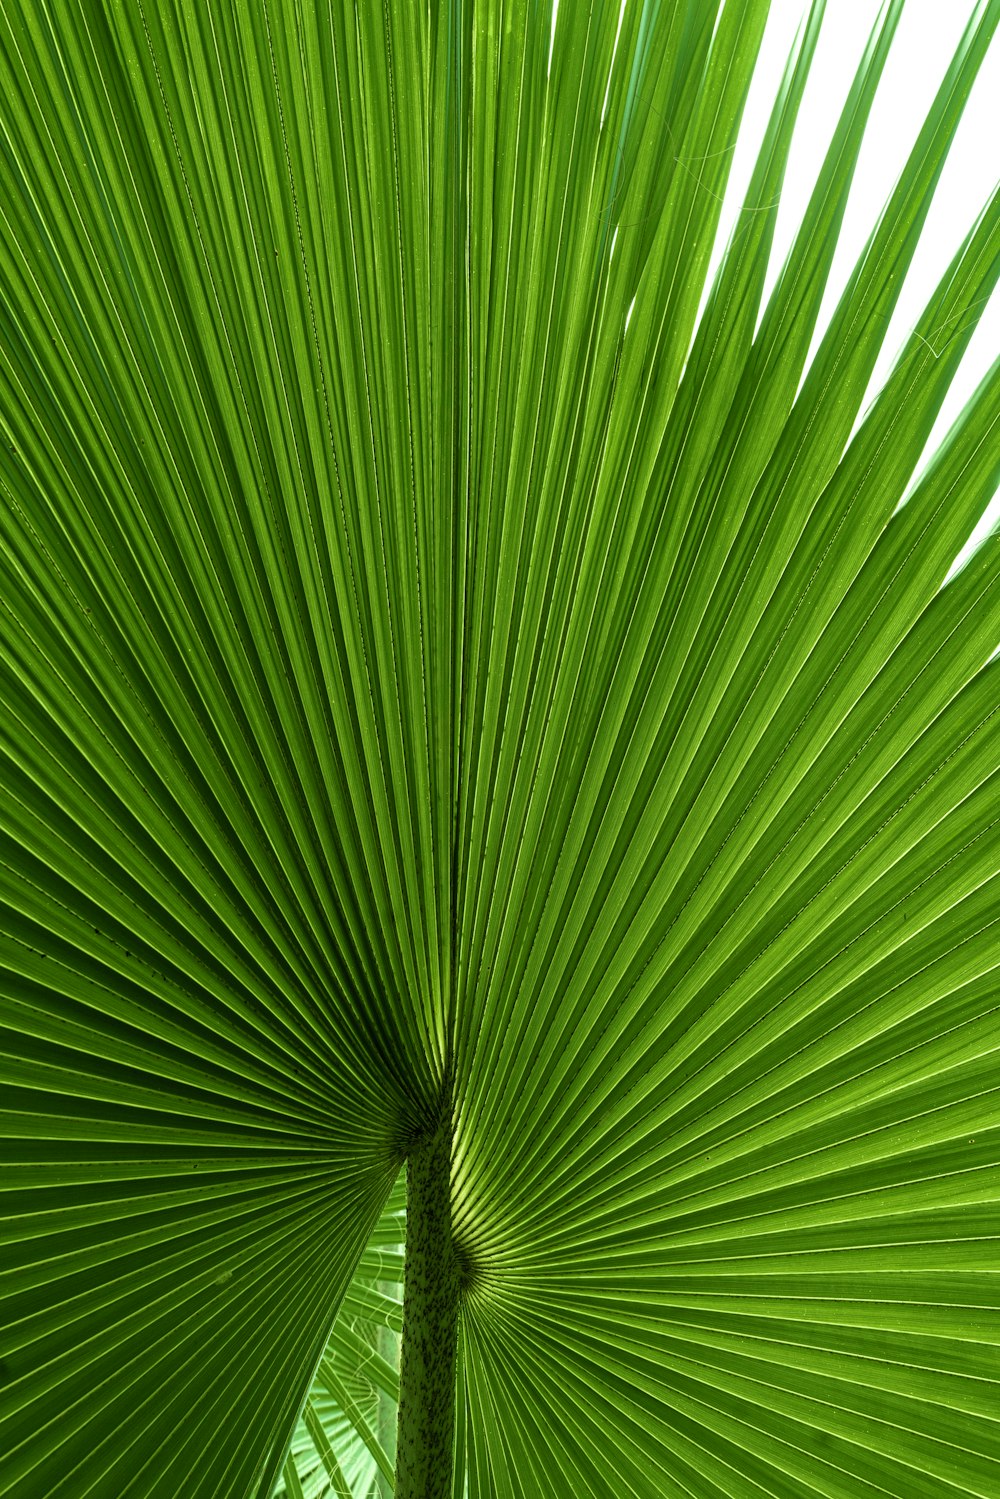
461, 708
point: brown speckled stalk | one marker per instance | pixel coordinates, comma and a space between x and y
430, 1325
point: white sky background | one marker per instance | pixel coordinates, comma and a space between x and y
925, 42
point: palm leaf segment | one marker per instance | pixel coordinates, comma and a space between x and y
411, 676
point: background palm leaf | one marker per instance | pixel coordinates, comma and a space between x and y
435, 657
346, 1437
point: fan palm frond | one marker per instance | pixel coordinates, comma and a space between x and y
467, 678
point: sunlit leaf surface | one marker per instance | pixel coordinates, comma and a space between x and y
428, 651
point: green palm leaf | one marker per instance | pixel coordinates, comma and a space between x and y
346, 1438
457, 698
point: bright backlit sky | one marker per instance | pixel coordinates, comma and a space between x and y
925, 41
